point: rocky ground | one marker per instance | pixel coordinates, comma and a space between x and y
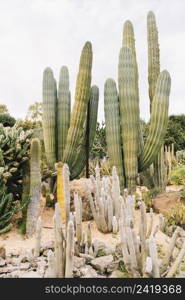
16, 251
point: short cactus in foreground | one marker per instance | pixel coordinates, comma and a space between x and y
61, 262
122, 118
35, 187
106, 203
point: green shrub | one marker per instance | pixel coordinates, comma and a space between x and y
177, 176
7, 120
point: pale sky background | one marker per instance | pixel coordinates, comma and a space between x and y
35, 34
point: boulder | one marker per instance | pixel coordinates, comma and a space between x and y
116, 274
79, 262
165, 201
88, 272
2, 251
82, 186
2, 262
102, 263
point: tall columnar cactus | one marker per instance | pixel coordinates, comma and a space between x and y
82, 95
134, 156
63, 111
113, 128
66, 134
153, 55
35, 187
49, 116
129, 114
129, 41
81, 156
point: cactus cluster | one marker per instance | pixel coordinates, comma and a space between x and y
123, 129
105, 206
139, 249
65, 132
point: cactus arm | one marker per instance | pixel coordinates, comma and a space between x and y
129, 115
80, 106
63, 110
80, 160
49, 122
158, 122
113, 130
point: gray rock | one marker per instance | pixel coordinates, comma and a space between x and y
2, 251
101, 263
24, 266
113, 266
98, 245
88, 272
79, 262
2, 262
30, 274
109, 250
116, 274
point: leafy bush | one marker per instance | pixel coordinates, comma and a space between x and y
177, 176
7, 120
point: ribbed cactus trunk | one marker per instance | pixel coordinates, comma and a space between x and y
35, 187
129, 115
113, 129
129, 41
153, 55
81, 157
158, 122
78, 116
49, 119
63, 111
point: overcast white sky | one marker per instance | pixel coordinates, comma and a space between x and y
35, 34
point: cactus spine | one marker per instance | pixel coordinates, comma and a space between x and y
35, 187
63, 111
49, 120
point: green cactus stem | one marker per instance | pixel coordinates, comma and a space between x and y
113, 130
78, 116
81, 158
63, 111
129, 115
35, 187
49, 120
153, 55
158, 122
